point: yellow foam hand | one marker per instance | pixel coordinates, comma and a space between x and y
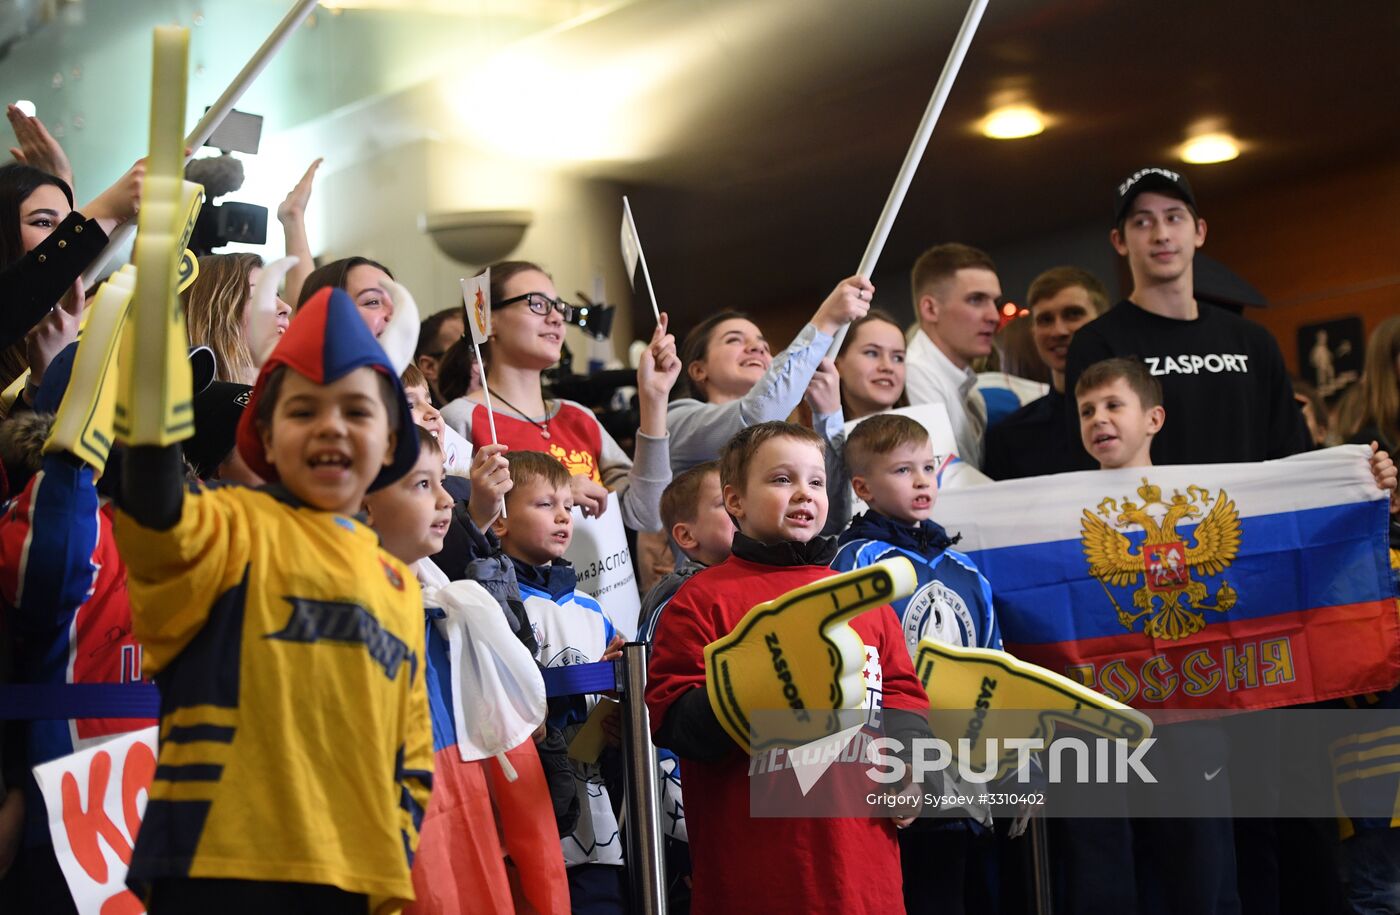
188, 270
83, 425
799, 652
980, 693
11, 393
154, 388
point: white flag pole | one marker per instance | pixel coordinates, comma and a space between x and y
490, 412
212, 118
916, 149
642, 257
486, 393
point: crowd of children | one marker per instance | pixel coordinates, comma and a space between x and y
347, 583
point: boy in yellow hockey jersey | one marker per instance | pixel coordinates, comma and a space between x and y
295, 745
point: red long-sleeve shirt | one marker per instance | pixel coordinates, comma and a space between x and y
743, 863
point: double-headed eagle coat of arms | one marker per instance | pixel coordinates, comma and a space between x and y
1170, 597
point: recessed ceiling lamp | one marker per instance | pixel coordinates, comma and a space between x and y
1012, 122
1208, 148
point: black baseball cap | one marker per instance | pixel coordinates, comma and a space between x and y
1151, 178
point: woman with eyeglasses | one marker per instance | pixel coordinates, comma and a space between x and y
736, 382
527, 334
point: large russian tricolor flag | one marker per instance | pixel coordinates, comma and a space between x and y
1202, 587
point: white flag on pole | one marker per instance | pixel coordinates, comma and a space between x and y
636, 261
476, 294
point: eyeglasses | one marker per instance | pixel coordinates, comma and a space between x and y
539, 303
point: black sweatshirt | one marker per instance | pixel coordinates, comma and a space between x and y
1227, 395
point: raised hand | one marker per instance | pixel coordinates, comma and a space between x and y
824, 390
848, 301
490, 476
121, 201
293, 208
1383, 471
58, 329
589, 496
291, 212
37, 147
659, 366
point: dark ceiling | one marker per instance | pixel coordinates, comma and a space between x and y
774, 193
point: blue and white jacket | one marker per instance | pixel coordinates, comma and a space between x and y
571, 628
953, 601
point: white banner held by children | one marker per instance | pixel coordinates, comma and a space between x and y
96, 799
604, 565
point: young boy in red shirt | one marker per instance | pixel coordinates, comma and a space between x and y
774, 483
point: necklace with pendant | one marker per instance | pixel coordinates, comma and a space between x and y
543, 427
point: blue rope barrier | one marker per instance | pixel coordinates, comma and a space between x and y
598, 677
36, 701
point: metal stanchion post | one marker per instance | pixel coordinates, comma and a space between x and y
645, 861
1040, 867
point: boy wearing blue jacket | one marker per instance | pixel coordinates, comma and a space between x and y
892, 469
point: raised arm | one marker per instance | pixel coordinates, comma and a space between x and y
698, 430
292, 214
37, 147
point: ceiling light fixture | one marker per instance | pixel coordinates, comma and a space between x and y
1012, 122
1208, 148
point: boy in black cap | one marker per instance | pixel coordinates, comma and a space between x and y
1221, 375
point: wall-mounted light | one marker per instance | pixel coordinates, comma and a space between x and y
1012, 122
26, 107
478, 237
1208, 148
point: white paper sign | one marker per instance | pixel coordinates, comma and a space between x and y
604, 566
933, 417
96, 799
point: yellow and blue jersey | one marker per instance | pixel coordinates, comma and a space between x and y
295, 740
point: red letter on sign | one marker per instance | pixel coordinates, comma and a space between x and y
84, 826
124, 903
137, 774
